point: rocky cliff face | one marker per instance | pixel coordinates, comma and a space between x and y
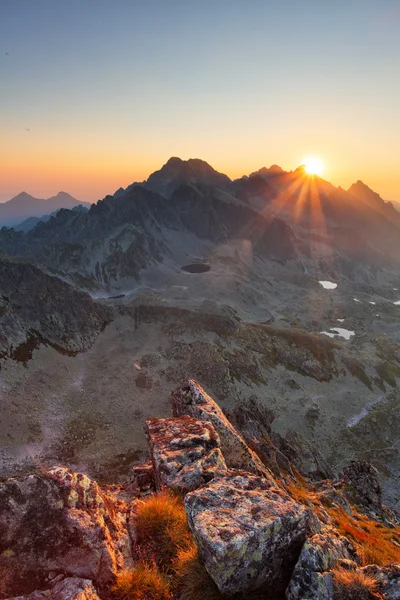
255, 536
36, 308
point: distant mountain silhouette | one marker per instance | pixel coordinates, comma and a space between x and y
24, 206
31, 222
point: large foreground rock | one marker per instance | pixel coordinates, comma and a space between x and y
58, 522
249, 534
71, 588
310, 580
185, 452
191, 399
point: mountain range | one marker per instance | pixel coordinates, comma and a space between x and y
283, 216
24, 205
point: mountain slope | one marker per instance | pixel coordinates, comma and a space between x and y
119, 237
24, 205
35, 307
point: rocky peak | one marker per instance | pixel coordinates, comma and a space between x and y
177, 172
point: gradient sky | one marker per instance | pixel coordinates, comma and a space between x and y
95, 94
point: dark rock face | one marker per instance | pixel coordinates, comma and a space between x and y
249, 534
35, 307
58, 522
185, 452
361, 483
178, 172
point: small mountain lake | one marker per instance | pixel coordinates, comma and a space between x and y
196, 268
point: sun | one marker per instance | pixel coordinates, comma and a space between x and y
314, 165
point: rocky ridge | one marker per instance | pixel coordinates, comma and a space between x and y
38, 308
257, 535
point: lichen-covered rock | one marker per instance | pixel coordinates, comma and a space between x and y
71, 588
191, 399
185, 452
249, 534
58, 522
318, 555
388, 580
361, 483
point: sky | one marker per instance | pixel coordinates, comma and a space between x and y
96, 94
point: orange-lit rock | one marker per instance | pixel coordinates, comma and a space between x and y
185, 452
59, 522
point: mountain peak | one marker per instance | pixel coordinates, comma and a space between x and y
177, 172
269, 171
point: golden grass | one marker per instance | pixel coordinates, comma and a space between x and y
162, 528
144, 582
375, 542
193, 581
353, 585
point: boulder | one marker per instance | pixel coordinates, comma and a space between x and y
56, 522
185, 452
249, 534
191, 399
361, 483
318, 555
71, 588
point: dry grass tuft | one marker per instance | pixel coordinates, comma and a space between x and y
162, 528
375, 542
193, 581
144, 582
353, 585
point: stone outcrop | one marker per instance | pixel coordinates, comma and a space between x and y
59, 522
319, 554
71, 588
191, 399
249, 534
361, 483
185, 452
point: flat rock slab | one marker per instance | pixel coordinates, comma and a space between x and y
185, 452
249, 533
191, 399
